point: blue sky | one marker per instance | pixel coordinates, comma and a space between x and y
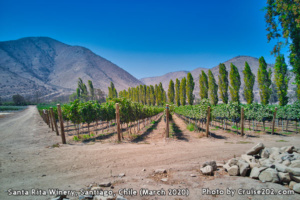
146, 38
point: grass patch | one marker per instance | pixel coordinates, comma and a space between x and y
75, 138
134, 136
247, 129
55, 145
286, 133
235, 127
11, 108
113, 124
244, 142
190, 127
281, 141
153, 122
86, 136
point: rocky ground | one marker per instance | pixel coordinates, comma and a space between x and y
33, 166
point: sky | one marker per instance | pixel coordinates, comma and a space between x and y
146, 38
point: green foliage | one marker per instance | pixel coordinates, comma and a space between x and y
190, 88
212, 88
183, 91
177, 92
18, 100
190, 127
281, 80
194, 111
223, 83
112, 92
75, 138
203, 85
91, 88
264, 81
249, 79
235, 83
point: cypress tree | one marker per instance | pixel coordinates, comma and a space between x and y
152, 95
78, 93
264, 81
156, 94
249, 79
212, 88
182, 91
148, 101
235, 83
160, 94
177, 92
203, 85
223, 83
171, 92
91, 89
281, 80
112, 92
190, 88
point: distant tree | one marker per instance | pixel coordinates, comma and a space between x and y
273, 96
73, 96
212, 88
0, 101
235, 83
83, 90
190, 88
249, 79
99, 95
264, 81
148, 100
164, 97
177, 92
171, 92
183, 91
203, 85
112, 92
160, 94
152, 95
223, 83
18, 100
78, 93
281, 80
91, 89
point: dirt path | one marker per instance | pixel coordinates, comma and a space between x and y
27, 161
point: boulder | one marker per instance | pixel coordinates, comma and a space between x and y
211, 163
207, 170
286, 162
287, 157
252, 165
281, 168
294, 178
164, 179
105, 184
269, 175
244, 167
296, 188
294, 171
295, 164
291, 185
284, 177
233, 170
233, 161
265, 162
296, 155
248, 159
256, 171
265, 153
290, 149
256, 149
226, 167
160, 171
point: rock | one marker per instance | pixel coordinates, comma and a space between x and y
99, 197
164, 179
266, 163
252, 165
96, 188
296, 155
291, 185
233, 170
211, 163
284, 177
105, 184
160, 171
256, 171
296, 188
226, 167
59, 197
220, 165
247, 158
265, 153
85, 197
288, 157
269, 175
295, 163
207, 170
120, 198
244, 167
193, 175
294, 178
143, 170
233, 161
255, 150
121, 175
286, 162
281, 168
294, 171
290, 149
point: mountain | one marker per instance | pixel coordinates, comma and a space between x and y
238, 61
52, 68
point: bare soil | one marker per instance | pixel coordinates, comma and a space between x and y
30, 158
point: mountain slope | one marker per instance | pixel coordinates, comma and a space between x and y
49, 66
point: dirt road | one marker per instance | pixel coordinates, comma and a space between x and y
27, 162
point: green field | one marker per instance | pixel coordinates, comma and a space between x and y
12, 108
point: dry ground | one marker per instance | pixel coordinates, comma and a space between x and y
27, 162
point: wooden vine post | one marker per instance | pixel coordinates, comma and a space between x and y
51, 120
242, 122
63, 138
54, 121
207, 122
47, 117
118, 122
167, 120
273, 122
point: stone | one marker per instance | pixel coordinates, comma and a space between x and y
96, 188
286, 162
99, 197
160, 171
85, 197
121, 175
269, 175
256, 171
291, 185
284, 177
295, 163
59, 197
296, 155
211, 163
220, 165
266, 163
105, 184
281, 168
244, 167
193, 175
288, 157
252, 165
233, 161
207, 170
265, 153
296, 188
255, 150
226, 167
294, 171
164, 179
247, 158
120, 198
294, 178
290, 149
233, 170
